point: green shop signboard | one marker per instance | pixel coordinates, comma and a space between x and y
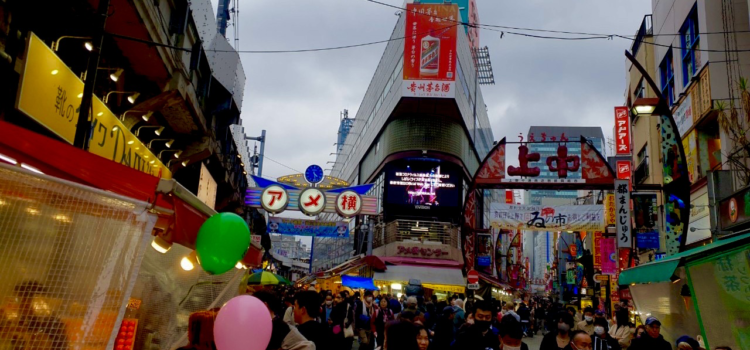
735, 210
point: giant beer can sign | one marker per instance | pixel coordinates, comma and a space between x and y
430, 50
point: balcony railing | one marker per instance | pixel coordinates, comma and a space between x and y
412, 230
645, 29
642, 172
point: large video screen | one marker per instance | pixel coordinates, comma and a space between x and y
423, 187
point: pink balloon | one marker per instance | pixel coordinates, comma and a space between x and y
243, 323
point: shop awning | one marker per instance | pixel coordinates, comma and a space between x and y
180, 212
354, 282
399, 260
662, 270
427, 275
493, 281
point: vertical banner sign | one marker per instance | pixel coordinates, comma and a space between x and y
610, 212
597, 249
622, 205
622, 131
623, 169
608, 256
430, 50
509, 196
624, 259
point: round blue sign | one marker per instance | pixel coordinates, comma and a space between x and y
314, 174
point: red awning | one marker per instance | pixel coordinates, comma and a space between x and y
493, 281
181, 214
397, 260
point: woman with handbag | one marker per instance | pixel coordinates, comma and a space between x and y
342, 319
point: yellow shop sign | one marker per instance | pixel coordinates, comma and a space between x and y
50, 93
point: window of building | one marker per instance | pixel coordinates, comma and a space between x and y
640, 89
690, 41
643, 154
666, 70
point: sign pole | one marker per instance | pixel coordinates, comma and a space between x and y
83, 126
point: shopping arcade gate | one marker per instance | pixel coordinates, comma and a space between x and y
596, 174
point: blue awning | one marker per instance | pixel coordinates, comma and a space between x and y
358, 282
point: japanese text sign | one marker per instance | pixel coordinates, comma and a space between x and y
430, 50
609, 209
301, 227
622, 206
51, 93
598, 236
547, 218
622, 131
348, 204
312, 201
274, 199
623, 169
646, 215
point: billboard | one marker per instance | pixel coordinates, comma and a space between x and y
430, 50
646, 213
422, 187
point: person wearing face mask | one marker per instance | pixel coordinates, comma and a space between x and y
327, 310
480, 336
559, 338
511, 334
601, 340
364, 321
587, 325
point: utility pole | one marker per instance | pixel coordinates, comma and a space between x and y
83, 126
262, 139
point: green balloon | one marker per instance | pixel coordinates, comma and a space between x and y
222, 241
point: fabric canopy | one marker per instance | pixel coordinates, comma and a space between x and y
662, 270
427, 275
354, 282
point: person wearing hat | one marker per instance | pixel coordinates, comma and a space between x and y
651, 340
511, 334
444, 331
685, 342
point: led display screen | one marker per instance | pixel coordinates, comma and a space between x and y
423, 187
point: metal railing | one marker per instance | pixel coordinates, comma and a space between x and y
415, 231
646, 29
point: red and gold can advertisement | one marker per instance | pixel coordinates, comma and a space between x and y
430, 50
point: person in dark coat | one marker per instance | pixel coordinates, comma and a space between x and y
342, 316
479, 336
651, 340
559, 339
511, 334
525, 314
306, 312
601, 340
444, 331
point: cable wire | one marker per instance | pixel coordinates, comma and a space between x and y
282, 164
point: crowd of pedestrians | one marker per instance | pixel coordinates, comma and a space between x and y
310, 320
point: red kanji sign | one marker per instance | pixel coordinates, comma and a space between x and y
348, 204
312, 201
622, 131
274, 199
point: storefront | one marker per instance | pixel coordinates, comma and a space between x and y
97, 249
694, 291
439, 277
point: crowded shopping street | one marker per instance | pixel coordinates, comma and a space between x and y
375, 175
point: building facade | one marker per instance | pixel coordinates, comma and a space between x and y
420, 154
699, 70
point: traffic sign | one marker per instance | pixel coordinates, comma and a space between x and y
472, 286
312, 201
472, 277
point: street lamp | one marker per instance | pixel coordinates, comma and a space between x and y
168, 143
158, 131
88, 45
177, 153
133, 95
146, 116
644, 106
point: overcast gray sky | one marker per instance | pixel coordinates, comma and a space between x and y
297, 97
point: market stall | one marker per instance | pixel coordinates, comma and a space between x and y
693, 291
76, 237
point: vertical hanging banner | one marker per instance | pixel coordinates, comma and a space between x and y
598, 236
623, 169
430, 50
608, 254
610, 213
622, 131
622, 205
